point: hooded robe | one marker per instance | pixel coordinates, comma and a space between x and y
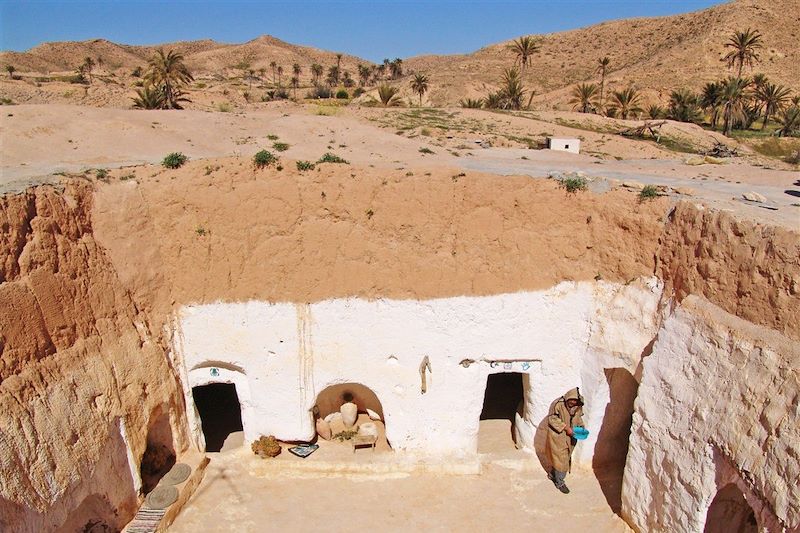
559, 444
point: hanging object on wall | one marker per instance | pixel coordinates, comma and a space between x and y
508, 365
423, 367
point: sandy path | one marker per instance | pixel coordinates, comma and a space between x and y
504, 497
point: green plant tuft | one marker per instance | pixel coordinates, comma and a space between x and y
305, 165
264, 158
174, 160
648, 192
281, 147
332, 158
574, 184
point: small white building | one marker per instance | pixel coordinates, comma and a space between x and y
564, 144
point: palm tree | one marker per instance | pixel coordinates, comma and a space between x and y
316, 72
251, 74
523, 49
684, 106
656, 111
168, 73
388, 95
744, 49
773, 98
364, 73
296, 70
273, 65
149, 97
626, 102
333, 76
790, 121
396, 68
347, 79
280, 75
339, 62
295, 81
420, 85
262, 72
760, 80
87, 67
584, 97
10, 69
710, 99
512, 90
734, 99
602, 68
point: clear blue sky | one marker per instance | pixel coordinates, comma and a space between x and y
370, 29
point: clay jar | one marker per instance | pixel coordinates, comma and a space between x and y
349, 414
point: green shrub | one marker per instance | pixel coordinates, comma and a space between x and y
471, 103
648, 192
305, 165
281, 147
574, 184
358, 92
320, 91
341, 94
101, 173
174, 160
332, 158
426, 151
264, 158
272, 137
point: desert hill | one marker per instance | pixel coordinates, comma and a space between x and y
659, 54
656, 55
203, 56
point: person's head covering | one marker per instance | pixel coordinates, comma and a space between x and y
574, 394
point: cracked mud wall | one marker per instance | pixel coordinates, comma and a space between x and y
80, 371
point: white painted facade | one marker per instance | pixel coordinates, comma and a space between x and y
564, 144
281, 355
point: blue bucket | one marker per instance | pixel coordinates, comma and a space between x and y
580, 433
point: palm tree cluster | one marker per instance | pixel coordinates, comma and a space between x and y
735, 102
164, 81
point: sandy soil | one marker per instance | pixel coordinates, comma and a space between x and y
38, 141
512, 493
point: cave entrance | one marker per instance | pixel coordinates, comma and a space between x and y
220, 414
502, 401
730, 513
159, 454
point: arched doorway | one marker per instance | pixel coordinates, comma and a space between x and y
502, 402
730, 513
220, 414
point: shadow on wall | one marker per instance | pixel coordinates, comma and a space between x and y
611, 449
730, 513
330, 399
95, 514
159, 455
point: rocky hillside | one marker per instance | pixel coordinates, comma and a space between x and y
203, 57
658, 54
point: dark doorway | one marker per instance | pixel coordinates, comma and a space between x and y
730, 513
501, 402
220, 412
503, 396
159, 455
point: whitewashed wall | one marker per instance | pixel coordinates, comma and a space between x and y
280, 356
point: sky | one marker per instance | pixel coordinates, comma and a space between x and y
373, 30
